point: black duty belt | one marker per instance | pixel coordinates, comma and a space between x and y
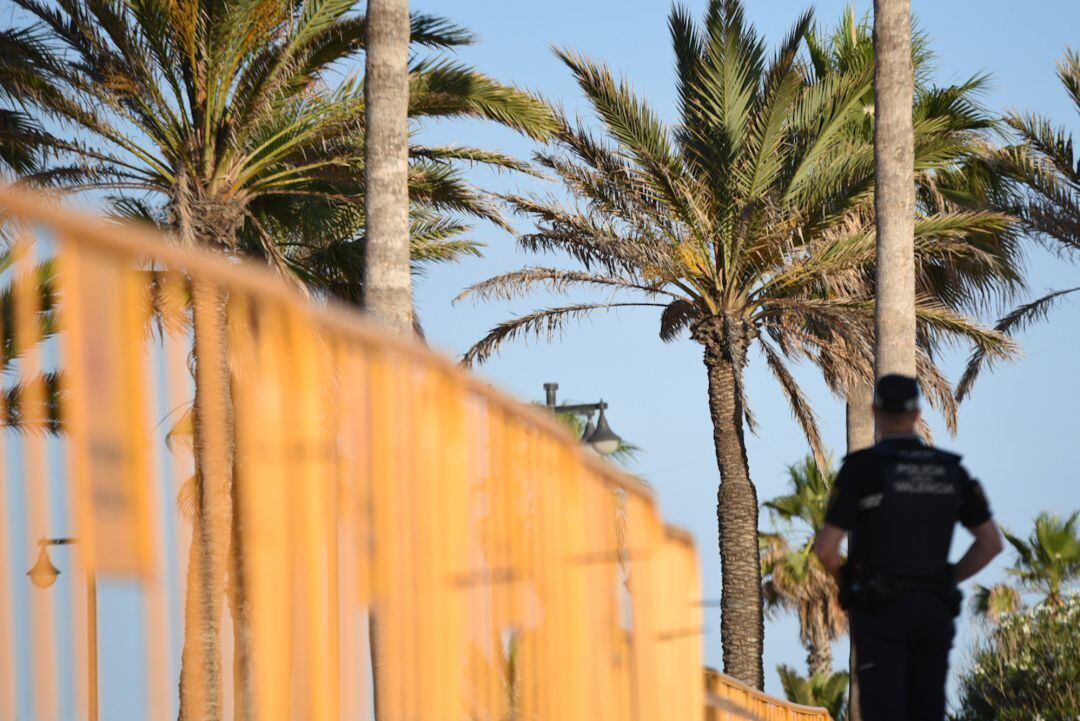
882, 589
902, 583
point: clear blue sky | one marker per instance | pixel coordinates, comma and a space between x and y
1017, 433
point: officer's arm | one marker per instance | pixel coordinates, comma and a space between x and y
827, 548
986, 545
975, 515
839, 517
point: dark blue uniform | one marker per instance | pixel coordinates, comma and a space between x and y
900, 502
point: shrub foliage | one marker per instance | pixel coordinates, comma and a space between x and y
1027, 668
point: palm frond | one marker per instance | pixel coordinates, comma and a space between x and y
638, 130
947, 325
679, 315
43, 291
509, 286
450, 89
473, 156
542, 324
33, 405
1018, 319
1069, 74
442, 251
937, 390
435, 31
800, 404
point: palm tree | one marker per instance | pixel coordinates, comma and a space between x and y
226, 122
951, 148
894, 201
266, 130
794, 579
747, 223
821, 690
1046, 171
387, 280
1049, 560
994, 602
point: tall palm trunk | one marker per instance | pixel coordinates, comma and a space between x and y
387, 279
240, 608
200, 672
860, 418
819, 656
894, 204
742, 624
894, 207
860, 435
387, 271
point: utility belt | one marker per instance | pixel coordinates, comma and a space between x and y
874, 591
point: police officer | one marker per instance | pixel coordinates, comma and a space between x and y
900, 501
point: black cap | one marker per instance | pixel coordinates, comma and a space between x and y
896, 394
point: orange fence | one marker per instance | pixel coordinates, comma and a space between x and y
263, 508
728, 700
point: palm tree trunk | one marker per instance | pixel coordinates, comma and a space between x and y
854, 702
387, 279
894, 203
860, 418
860, 435
742, 623
819, 658
240, 607
387, 271
200, 672
374, 652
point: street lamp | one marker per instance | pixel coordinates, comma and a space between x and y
599, 437
603, 439
43, 575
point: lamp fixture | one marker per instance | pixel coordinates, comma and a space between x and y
600, 437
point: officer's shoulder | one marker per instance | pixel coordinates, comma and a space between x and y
861, 456
946, 456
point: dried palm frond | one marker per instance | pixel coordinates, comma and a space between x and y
1042, 176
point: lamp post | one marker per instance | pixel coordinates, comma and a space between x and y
599, 437
43, 575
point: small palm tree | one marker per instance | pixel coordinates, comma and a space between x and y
825, 690
794, 579
748, 223
1048, 561
995, 602
1046, 172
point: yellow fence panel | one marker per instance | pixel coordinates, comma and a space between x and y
238, 502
